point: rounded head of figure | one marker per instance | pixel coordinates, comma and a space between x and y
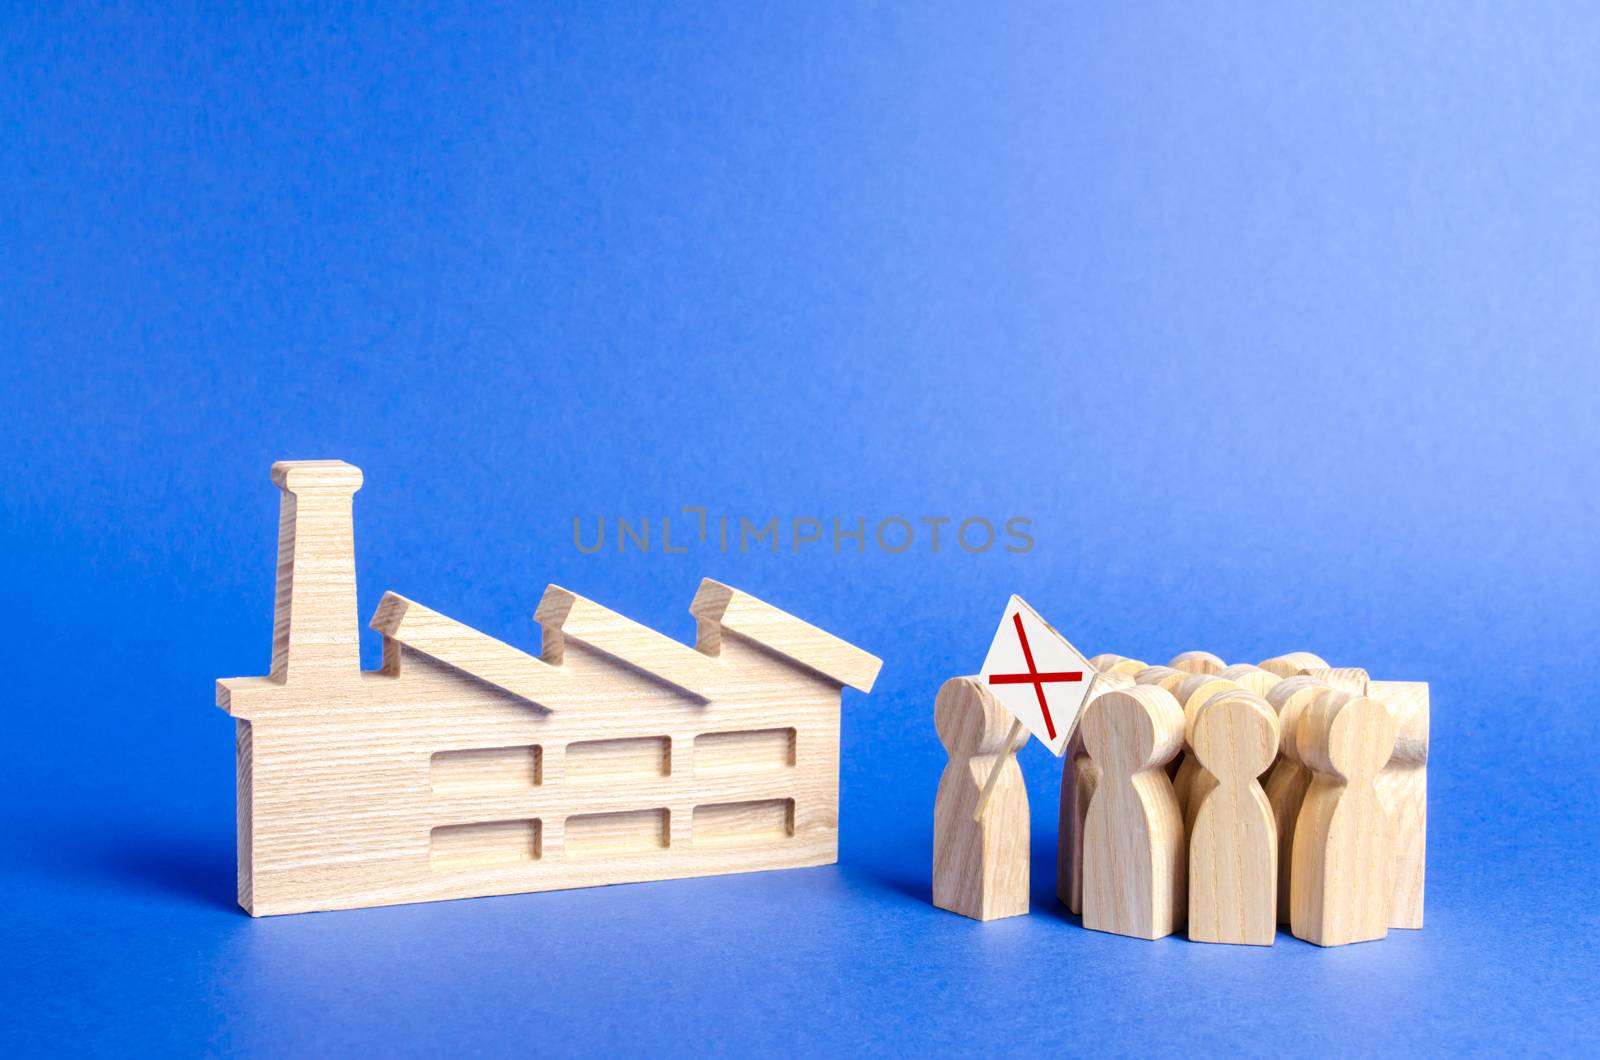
1235, 736
1346, 735
1195, 689
1131, 729
1110, 681
1253, 678
1165, 676
1292, 663
1344, 678
1110, 662
968, 719
1197, 662
1290, 697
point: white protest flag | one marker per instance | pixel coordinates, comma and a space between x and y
1038, 676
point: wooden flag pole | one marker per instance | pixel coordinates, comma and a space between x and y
1011, 747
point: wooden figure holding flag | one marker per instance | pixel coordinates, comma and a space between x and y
980, 859
1038, 681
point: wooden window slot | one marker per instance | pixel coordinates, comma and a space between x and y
483, 845
749, 751
606, 760
486, 769
598, 835
727, 824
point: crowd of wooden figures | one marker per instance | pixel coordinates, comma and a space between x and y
1228, 798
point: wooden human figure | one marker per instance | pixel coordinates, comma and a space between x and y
1078, 777
1287, 782
1233, 844
1133, 850
1403, 790
980, 867
1340, 880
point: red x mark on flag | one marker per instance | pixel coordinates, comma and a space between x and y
1034, 677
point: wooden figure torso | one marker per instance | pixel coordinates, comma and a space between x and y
980, 867
1403, 790
1079, 775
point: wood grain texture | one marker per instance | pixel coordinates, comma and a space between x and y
1293, 663
1289, 778
1197, 662
1191, 694
980, 867
314, 619
723, 613
1403, 790
1250, 678
1290, 684
1350, 679
1078, 776
1134, 875
1233, 844
1108, 663
467, 767
1339, 886
1165, 676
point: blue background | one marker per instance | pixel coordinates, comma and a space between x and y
1279, 322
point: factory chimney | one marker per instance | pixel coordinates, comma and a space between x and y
315, 630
